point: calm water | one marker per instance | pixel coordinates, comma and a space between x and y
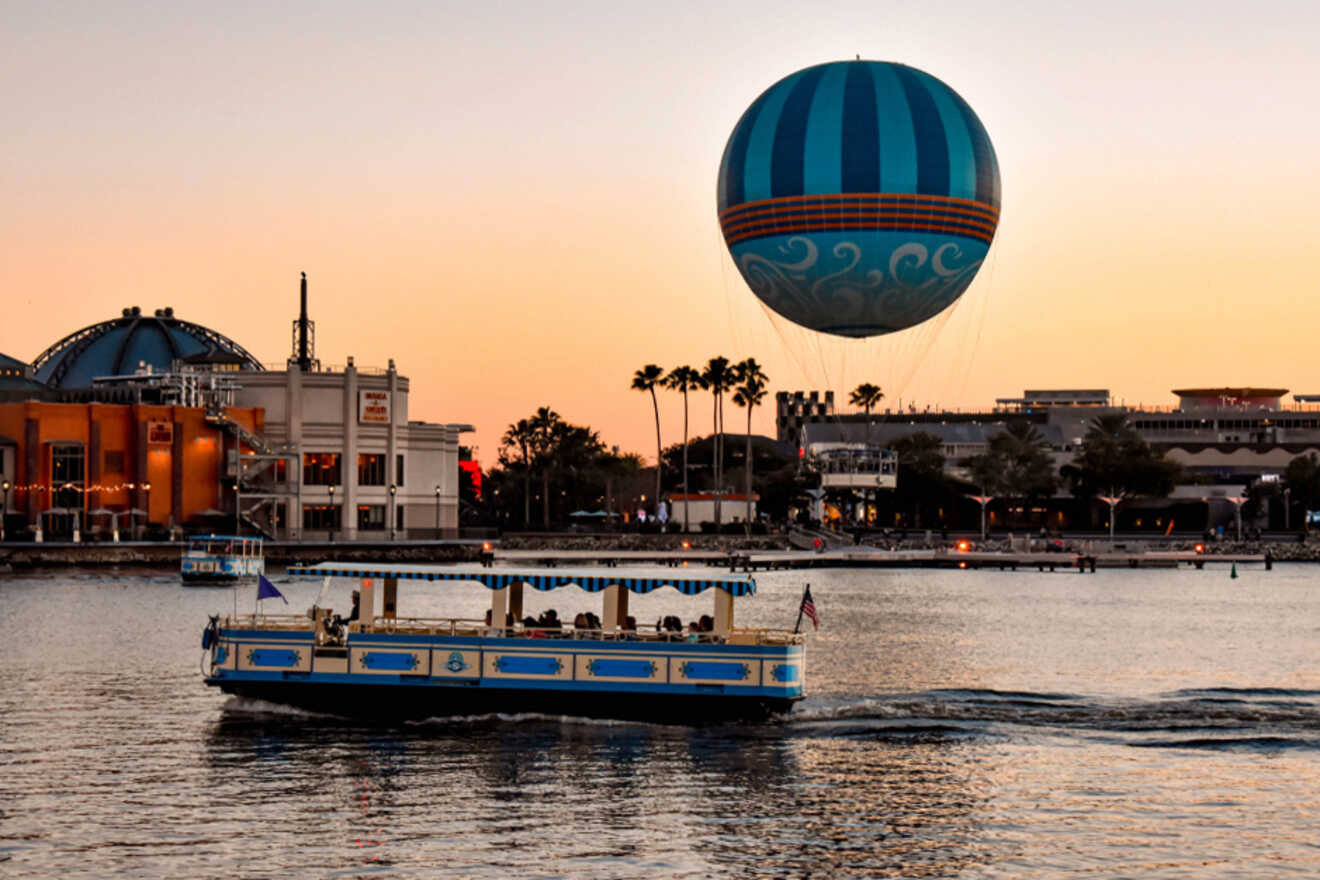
1129, 723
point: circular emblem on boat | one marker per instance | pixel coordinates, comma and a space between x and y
455, 662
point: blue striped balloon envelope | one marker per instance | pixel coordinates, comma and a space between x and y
859, 197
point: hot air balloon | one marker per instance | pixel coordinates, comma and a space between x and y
858, 197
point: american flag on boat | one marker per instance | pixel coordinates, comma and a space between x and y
809, 608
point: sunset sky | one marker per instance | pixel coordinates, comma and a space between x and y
516, 201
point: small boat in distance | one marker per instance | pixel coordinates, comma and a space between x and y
381, 665
221, 560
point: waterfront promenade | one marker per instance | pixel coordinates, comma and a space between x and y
758, 552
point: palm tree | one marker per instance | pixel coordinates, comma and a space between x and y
684, 379
521, 436
1028, 470
717, 377
544, 427
866, 396
645, 379
749, 392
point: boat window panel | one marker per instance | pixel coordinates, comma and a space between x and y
321, 469
371, 469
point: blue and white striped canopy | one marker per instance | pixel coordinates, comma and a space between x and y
687, 581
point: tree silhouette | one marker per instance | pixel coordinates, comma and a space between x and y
645, 379
684, 379
717, 377
866, 396
749, 392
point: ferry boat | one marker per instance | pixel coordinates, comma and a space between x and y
221, 560
386, 666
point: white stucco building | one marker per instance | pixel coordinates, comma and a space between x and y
338, 456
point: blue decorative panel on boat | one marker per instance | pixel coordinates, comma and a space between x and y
784, 673
221, 655
456, 663
389, 660
623, 668
515, 665
715, 670
272, 657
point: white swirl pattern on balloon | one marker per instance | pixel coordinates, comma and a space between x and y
834, 295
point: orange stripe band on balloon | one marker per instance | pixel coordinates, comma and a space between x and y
910, 200
790, 227
854, 218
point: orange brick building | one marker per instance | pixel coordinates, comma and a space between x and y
75, 464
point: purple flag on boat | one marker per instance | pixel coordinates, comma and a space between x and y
266, 590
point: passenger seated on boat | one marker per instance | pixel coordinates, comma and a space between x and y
591, 626
495, 630
694, 632
670, 628
707, 623
353, 615
549, 621
580, 626
530, 628
629, 633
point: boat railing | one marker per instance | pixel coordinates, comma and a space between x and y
269, 621
457, 626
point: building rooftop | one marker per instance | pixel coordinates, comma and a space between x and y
121, 345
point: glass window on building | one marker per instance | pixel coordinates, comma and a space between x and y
398, 470
67, 469
371, 517
320, 516
114, 461
321, 469
398, 517
371, 469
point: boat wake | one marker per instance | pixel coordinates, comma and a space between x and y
1258, 719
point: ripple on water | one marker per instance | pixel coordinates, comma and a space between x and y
942, 738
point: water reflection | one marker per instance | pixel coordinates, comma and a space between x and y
1124, 724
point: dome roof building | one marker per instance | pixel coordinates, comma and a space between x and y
121, 345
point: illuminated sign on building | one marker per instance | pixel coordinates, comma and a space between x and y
160, 432
374, 407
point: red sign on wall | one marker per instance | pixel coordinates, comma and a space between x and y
160, 432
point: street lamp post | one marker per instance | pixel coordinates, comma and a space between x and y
6, 486
437, 512
983, 500
393, 516
1112, 501
332, 512
1287, 509
146, 489
238, 506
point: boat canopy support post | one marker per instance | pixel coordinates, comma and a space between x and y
723, 611
516, 600
367, 603
499, 606
614, 610
390, 599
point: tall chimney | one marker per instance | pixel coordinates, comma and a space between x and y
304, 355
